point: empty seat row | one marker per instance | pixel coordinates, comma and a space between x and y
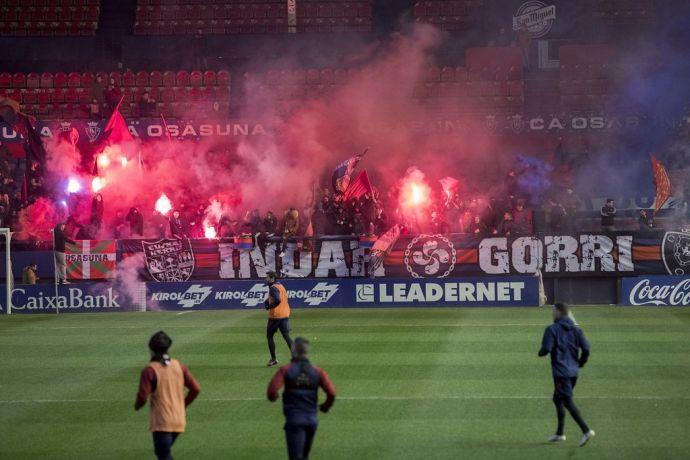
128, 78
446, 8
81, 111
81, 95
50, 3
48, 29
49, 14
252, 11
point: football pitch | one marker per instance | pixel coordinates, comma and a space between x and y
412, 384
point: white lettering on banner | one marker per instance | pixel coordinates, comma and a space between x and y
331, 257
76, 299
643, 293
288, 269
501, 291
527, 254
561, 247
154, 130
596, 247
491, 261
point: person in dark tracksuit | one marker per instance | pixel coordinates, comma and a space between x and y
569, 350
301, 380
278, 315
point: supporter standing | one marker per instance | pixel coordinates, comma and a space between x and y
136, 222
60, 238
522, 219
608, 214
29, 274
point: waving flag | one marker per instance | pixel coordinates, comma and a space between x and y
662, 184
358, 187
342, 173
382, 247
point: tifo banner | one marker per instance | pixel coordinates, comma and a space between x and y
90, 260
411, 256
73, 298
656, 291
465, 292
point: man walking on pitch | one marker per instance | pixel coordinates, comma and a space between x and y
301, 381
278, 315
164, 380
564, 340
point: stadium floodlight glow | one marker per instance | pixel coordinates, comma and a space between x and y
163, 204
73, 185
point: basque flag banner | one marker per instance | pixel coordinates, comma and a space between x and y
90, 259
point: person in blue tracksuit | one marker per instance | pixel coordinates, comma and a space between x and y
569, 350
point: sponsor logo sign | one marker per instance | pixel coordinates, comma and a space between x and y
493, 291
656, 291
535, 16
169, 260
41, 298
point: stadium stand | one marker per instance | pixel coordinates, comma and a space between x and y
625, 12
449, 15
587, 77
49, 18
161, 17
60, 95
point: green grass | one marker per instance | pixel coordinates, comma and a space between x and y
468, 383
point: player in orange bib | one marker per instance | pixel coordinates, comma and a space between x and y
278, 315
163, 380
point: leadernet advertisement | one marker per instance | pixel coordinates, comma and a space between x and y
465, 292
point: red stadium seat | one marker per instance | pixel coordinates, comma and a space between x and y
209, 78
182, 78
156, 78
116, 76
29, 97
46, 80
74, 79
33, 80
19, 80
327, 77
44, 96
167, 95
5, 80
196, 78
313, 76
142, 78
168, 78
58, 96
129, 78
433, 74
86, 78
223, 78
71, 96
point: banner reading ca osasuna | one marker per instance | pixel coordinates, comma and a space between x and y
656, 291
466, 292
90, 259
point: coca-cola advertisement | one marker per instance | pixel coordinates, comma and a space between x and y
659, 291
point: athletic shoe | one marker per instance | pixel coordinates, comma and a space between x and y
556, 438
586, 437
272, 363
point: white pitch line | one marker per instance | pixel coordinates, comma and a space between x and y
194, 326
362, 398
185, 312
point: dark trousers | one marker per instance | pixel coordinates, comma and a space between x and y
162, 444
563, 399
282, 324
299, 437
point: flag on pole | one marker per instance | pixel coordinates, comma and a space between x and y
165, 127
382, 247
342, 173
661, 182
116, 131
358, 187
88, 260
